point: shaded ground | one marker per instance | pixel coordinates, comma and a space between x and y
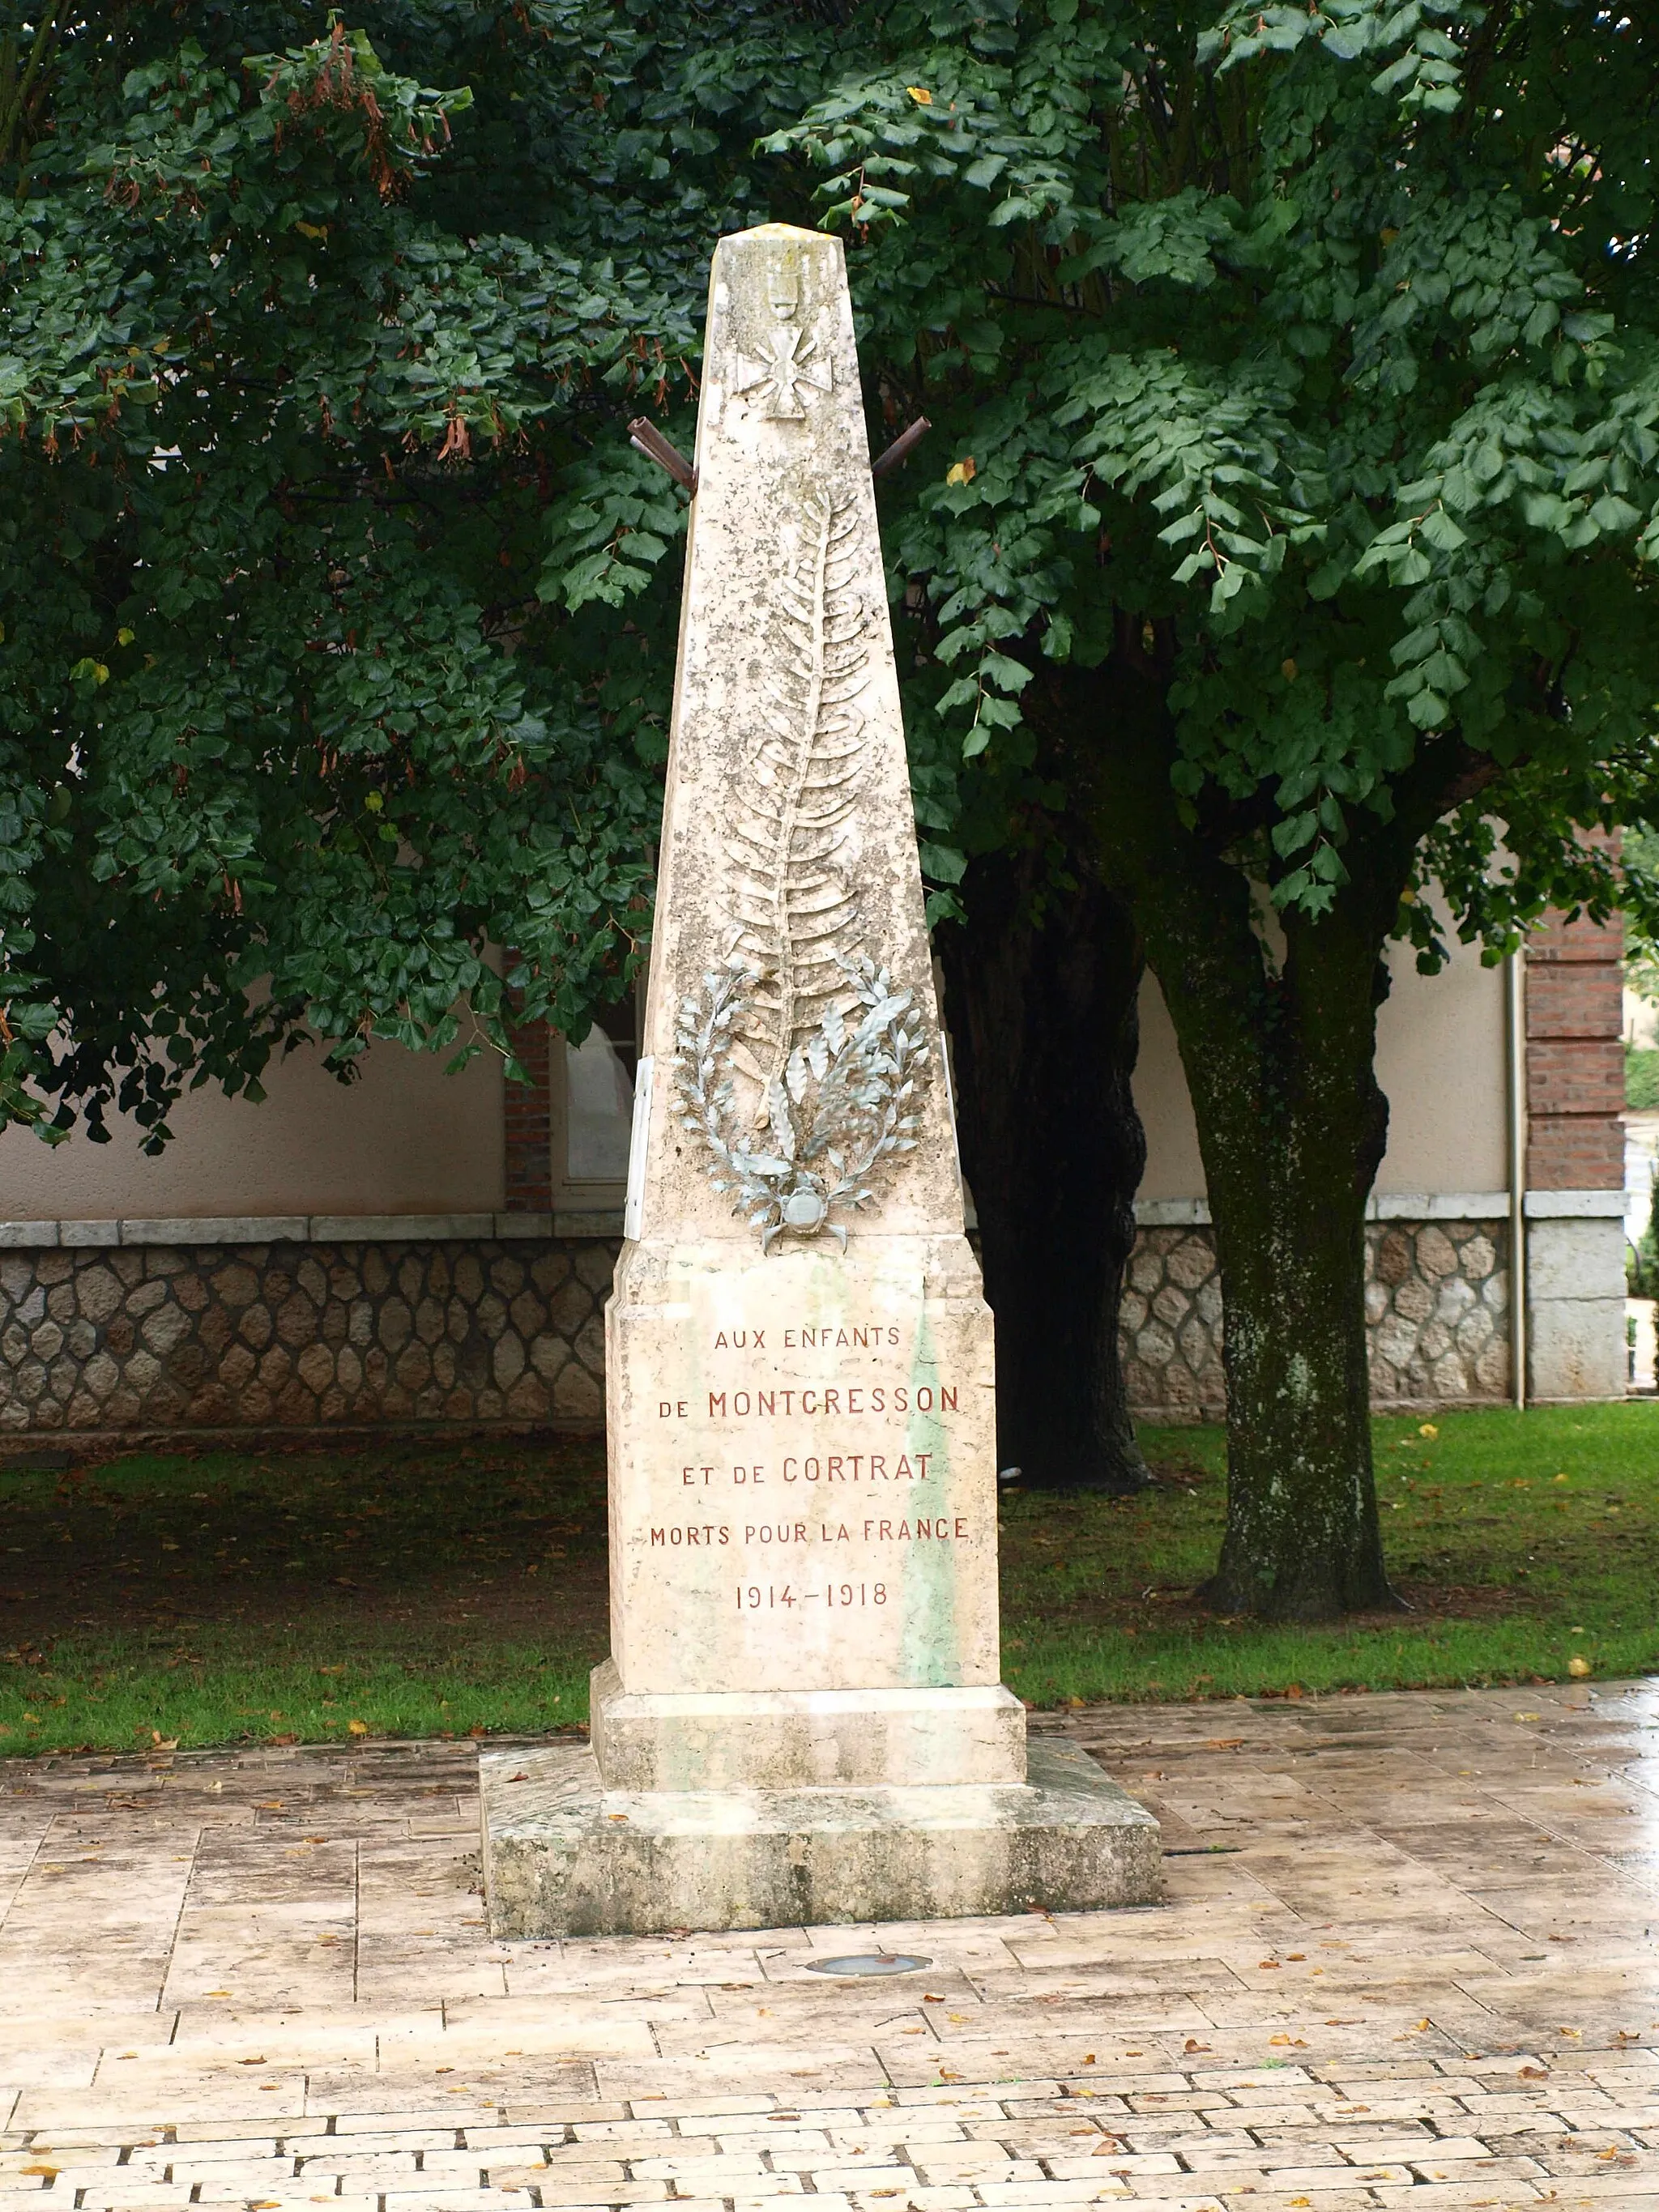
436, 1589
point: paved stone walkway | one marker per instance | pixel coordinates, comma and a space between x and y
1409, 1957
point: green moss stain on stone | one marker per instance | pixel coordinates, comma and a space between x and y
931, 1651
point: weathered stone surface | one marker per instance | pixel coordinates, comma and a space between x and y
564, 1856
1577, 1288
804, 1690
857, 1739
1436, 1256
1393, 1256
799, 1379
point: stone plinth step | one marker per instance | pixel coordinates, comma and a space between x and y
562, 1856
804, 1739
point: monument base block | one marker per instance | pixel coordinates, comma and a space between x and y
707, 1740
562, 1856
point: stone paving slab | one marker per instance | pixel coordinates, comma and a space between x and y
1410, 1956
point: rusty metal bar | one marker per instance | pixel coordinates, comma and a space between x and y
649, 439
900, 449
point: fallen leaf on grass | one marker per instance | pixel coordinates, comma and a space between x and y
357, 1727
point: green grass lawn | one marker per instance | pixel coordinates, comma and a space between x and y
431, 1589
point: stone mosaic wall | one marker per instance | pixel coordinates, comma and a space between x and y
302, 1335
1436, 1297
315, 1336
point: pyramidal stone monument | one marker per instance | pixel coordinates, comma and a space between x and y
801, 1719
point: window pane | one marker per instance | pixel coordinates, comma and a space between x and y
599, 1076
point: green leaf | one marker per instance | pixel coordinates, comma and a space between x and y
943, 863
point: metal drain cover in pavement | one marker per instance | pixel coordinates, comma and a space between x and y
870, 1962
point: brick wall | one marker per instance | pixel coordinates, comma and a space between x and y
1575, 1061
527, 1111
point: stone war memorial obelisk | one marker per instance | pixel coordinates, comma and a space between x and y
801, 1719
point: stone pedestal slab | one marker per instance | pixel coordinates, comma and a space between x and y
785, 1739
565, 1856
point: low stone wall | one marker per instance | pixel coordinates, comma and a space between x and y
1437, 1301
511, 1333
303, 1336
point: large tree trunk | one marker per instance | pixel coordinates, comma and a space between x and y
1042, 1017
1291, 1126
1278, 1052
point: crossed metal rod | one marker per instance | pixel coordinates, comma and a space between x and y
645, 436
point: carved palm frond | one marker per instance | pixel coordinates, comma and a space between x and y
791, 906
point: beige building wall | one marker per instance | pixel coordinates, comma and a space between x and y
409, 1138
406, 1137
1441, 1055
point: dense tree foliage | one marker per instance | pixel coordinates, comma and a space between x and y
1280, 551
304, 371
1300, 371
